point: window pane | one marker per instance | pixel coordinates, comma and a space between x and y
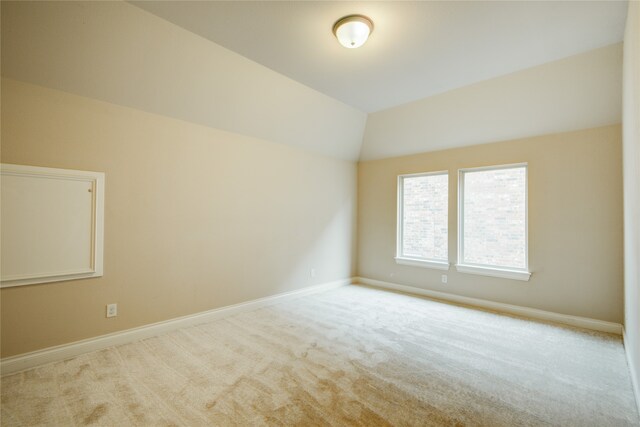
425, 217
495, 217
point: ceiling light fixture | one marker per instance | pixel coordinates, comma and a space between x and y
352, 31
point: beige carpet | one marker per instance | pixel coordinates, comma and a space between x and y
351, 356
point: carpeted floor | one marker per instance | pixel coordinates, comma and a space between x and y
350, 356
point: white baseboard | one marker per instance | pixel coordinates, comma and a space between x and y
10, 365
21, 362
632, 370
581, 322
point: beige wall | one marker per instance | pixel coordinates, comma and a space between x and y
575, 222
196, 218
631, 150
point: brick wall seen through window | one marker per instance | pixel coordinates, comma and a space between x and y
424, 225
494, 217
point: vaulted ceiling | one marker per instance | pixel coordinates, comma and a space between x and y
434, 75
417, 48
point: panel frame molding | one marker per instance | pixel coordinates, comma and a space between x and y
97, 181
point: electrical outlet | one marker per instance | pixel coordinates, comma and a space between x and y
312, 272
444, 278
112, 310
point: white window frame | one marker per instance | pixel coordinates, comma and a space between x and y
412, 261
493, 270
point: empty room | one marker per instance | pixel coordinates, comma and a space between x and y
320, 213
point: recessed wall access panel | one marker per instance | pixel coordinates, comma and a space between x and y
51, 224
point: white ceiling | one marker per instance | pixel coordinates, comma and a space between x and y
115, 52
417, 49
471, 69
579, 92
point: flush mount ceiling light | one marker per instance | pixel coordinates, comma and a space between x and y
352, 31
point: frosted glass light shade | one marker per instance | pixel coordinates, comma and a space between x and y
353, 31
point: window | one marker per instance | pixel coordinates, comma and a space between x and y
492, 223
423, 212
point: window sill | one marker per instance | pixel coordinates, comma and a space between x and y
494, 272
439, 265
